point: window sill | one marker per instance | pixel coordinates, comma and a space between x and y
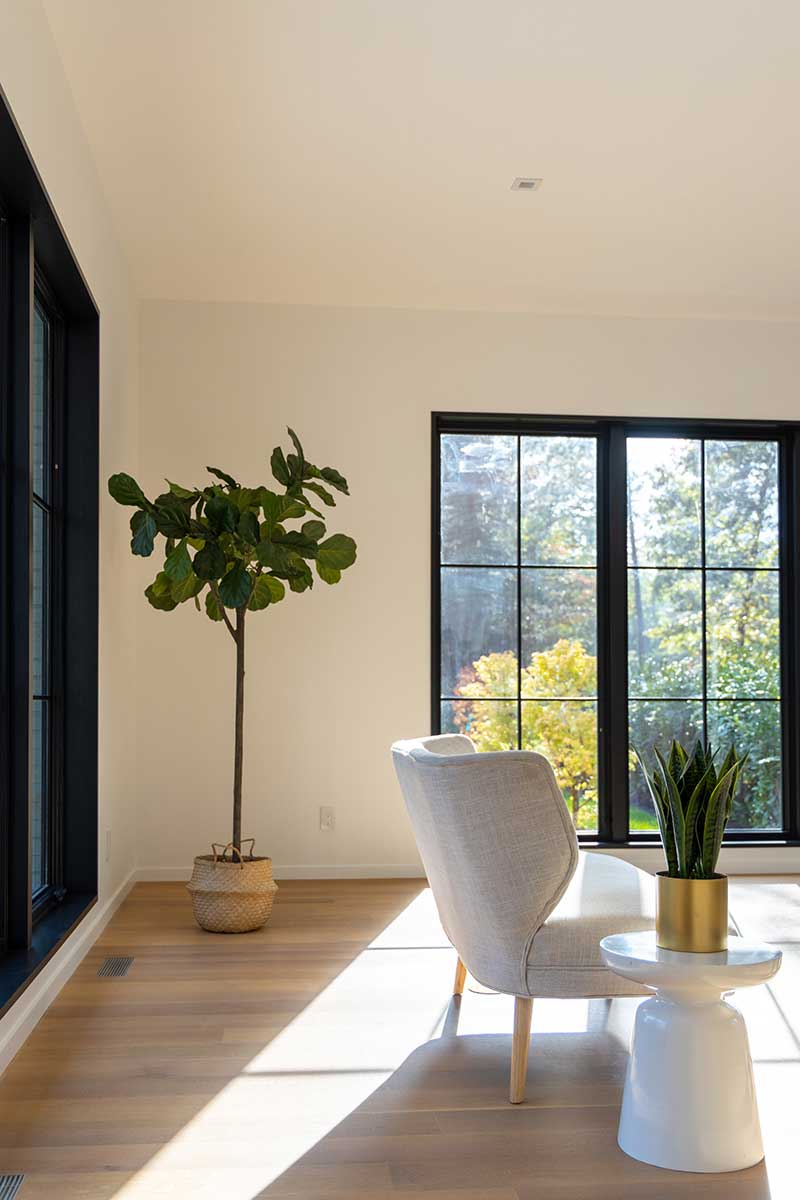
18, 968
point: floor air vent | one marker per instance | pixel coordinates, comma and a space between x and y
113, 967
9, 1186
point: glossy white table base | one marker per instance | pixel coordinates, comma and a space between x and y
689, 1102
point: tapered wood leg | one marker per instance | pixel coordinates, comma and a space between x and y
460, 979
523, 1011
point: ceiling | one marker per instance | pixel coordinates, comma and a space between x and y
361, 152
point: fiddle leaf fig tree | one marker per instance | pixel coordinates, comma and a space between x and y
230, 549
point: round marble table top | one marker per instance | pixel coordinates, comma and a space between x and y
636, 956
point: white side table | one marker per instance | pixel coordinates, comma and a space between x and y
689, 1101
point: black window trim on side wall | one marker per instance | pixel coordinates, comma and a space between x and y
37, 266
612, 565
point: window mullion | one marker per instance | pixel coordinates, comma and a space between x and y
613, 685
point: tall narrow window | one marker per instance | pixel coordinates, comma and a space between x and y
41, 539
704, 610
519, 601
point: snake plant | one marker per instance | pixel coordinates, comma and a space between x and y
693, 801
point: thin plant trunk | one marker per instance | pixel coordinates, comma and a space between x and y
239, 730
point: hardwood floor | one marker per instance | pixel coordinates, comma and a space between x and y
318, 1058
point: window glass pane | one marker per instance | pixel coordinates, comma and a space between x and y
478, 499
665, 633
566, 734
559, 500
39, 791
559, 632
754, 726
40, 405
741, 504
664, 502
743, 620
656, 723
479, 632
492, 724
39, 607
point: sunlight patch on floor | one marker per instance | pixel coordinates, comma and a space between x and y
318, 1069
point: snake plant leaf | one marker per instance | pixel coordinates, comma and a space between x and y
662, 813
695, 807
716, 818
675, 813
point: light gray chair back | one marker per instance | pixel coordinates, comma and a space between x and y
497, 845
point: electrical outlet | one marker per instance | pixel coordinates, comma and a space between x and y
327, 818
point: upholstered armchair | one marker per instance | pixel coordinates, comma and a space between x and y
524, 908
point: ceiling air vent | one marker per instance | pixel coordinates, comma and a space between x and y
525, 184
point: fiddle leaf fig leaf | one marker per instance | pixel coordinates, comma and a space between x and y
328, 574
125, 490
248, 528
143, 528
231, 482
332, 476
213, 607
297, 446
181, 492
184, 589
279, 508
280, 467
322, 492
158, 594
209, 563
235, 586
337, 551
178, 565
273, 556
266, 590
313, 530
222, 516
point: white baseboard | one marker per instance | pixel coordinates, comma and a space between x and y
733, 860
324, 871
31, 1006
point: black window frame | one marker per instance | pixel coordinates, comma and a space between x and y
612, 592
38, 267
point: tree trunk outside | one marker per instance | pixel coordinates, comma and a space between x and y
239, 730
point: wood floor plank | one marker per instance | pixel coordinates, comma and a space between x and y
304, 1061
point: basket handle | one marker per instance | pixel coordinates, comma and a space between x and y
215, 846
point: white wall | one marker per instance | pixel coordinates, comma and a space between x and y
334, 676
32, 78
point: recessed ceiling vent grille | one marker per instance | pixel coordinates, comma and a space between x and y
526, 184
9, 1186
112, 968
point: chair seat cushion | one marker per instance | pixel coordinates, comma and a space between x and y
605, 895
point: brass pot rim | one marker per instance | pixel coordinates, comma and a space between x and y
680, 879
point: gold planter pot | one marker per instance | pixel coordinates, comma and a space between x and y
692, 914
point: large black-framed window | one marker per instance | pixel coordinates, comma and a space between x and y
605, 584
49, 484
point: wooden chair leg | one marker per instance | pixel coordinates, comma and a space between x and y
523, 1011
460, 979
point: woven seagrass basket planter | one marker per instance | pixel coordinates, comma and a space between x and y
231, 896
